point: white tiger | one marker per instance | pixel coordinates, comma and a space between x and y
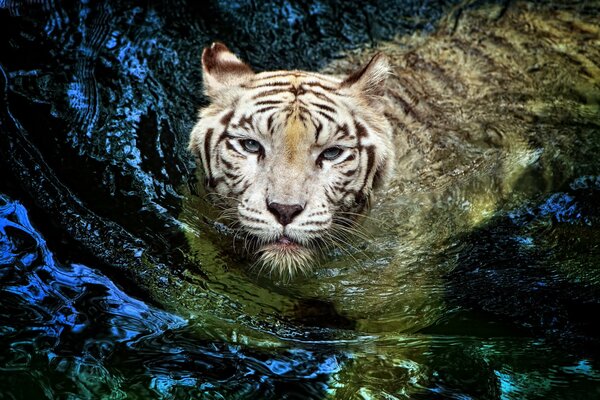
294, 156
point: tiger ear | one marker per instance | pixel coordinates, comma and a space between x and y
222, 69
369, 81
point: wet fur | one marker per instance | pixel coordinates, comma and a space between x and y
490, 80
475, 103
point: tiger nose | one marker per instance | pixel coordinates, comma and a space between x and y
285, 213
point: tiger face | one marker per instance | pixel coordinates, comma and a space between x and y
292, 156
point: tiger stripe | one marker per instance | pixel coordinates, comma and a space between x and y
322, 144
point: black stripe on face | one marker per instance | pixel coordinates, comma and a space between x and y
265, 109
303, 119
350, 173
370, 150
320, 85
324, 107
268, 102
342, 132
231, 175
301, 109
232, 148
226, 118
318, 129
346, 182
224, 136
349, 158
268, 84
226, 163
207, 138
323, 97
270, 123
297, 90
361, 131
242, 190
225, 121
341, 183
271, 92
326, 116
245, 122
329, 196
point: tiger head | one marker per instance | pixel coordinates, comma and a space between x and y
292, 156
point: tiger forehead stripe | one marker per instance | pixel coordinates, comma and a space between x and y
270, 92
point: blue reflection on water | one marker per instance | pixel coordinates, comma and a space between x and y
540, 384
33, 274
583, 367
72, 320
59, 311
562, 207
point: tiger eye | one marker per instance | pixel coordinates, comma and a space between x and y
251, 146
331, 153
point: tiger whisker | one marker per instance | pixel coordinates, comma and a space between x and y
361, 215
342, 246
352, 231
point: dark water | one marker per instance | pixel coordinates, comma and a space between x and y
109, 291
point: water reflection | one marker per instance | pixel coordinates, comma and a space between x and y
75, 328
73, 325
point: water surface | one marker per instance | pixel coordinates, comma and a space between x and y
116, 281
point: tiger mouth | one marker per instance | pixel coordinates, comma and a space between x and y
283, 243
286, 257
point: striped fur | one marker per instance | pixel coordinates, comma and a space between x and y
295, 116
488, 85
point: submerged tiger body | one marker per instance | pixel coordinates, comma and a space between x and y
294, 156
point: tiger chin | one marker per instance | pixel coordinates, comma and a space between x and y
291, 157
